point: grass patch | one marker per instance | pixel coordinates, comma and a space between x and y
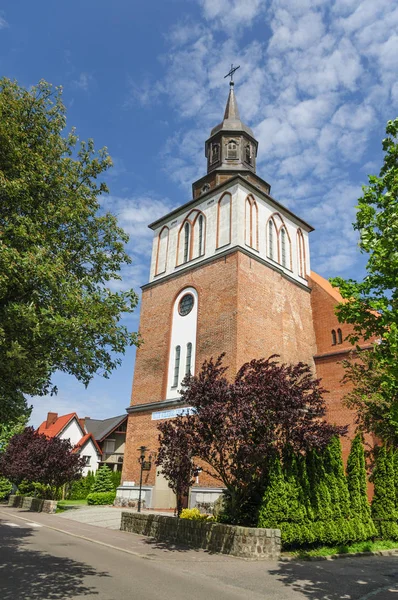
368, 546
72, 502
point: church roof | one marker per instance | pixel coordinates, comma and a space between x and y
231, 121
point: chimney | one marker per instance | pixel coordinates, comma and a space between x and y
82, 422
51, 418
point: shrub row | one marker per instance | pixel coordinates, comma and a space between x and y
101, 498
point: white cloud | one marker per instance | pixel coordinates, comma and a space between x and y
232, 14
83, 82
3, 22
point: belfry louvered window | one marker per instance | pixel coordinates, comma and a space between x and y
176, 365
201, 235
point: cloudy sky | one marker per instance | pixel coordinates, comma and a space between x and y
317, 83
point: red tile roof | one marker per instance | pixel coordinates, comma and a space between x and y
57, 426
82, 442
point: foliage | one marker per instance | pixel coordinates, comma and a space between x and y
357, 488
33, 457
238, 425
371, 306
194, 514
103, 480
366, 546
116, 478
384, 511
78, 490
10, 428
307, 499
5, 488
59, 252
38, 490
101, 498
175, 458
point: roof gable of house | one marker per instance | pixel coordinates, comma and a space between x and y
56, 428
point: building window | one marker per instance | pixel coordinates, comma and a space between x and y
283, 247
176, 366
189, 358
215, 153
201, 235
339, 336
333, 337
186, 241
232, 149
86, 460
109, 446
186, 305
248, 154
270, 239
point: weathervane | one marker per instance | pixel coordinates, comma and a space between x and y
231, 74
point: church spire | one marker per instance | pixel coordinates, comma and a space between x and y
232, 145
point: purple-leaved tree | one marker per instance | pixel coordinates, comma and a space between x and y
33, 457
237, 426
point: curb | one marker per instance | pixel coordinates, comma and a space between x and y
392, 552
82, 537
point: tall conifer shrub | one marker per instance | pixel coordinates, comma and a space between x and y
361, 520
383, 504
103, 480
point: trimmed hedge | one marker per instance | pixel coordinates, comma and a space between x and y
101, 498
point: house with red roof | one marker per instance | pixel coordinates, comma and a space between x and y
70, 427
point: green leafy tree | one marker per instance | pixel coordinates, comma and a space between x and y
383, 504
371, 306
361, 519
59, 252
103, 480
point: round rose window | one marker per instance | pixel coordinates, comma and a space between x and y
186, 305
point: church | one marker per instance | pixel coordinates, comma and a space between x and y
230, 272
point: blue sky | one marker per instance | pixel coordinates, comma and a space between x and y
317, 84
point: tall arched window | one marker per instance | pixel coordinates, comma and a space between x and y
188, 359
176, 365
161, 258
334, 341
283, 246
224, 220
251, 222
339, 336
301, 253
270, 248
187, 230
200, 241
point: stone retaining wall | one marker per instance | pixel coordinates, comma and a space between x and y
33, 504
246, 542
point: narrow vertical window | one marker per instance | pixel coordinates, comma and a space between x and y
200, 235
186, 242
283, 247
270, 239
339, 336
176, 366
189, 358
333, 337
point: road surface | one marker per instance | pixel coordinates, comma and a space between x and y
40, 562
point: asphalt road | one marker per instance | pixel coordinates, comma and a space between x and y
38, 562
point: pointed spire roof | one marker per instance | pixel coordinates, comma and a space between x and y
231, 121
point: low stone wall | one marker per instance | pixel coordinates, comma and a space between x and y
33, 504
246, 542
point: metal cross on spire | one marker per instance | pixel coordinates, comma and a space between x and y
231, 73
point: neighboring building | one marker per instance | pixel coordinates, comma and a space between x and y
230, 272
70, 427
110, 435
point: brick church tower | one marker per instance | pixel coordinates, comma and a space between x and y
229, 273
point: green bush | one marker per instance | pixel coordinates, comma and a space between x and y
116, 478
194, 514
101, 498
38, 490
5, 488
383, 504
361, 519
79, 490
103, 480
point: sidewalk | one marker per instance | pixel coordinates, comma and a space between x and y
101, 516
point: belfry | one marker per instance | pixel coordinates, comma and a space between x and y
230, 272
